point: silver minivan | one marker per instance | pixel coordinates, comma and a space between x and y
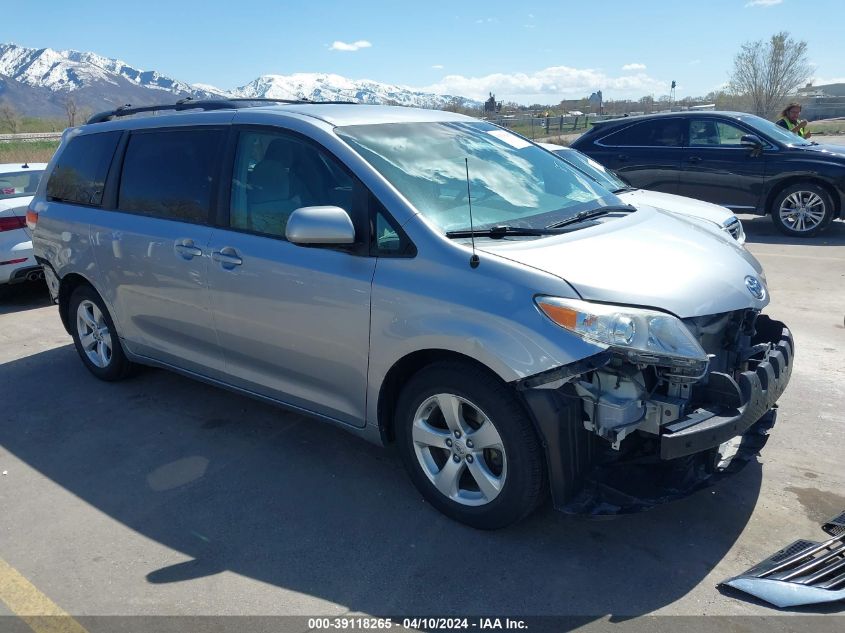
417, 277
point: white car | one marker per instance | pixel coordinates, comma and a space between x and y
18, 183
707, 211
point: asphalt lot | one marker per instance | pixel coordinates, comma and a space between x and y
160, 495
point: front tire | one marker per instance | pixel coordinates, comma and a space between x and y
802, 210
469, 446
95, 336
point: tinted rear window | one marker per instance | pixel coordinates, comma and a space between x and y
169, 174
660, 133
20, 183
81, 169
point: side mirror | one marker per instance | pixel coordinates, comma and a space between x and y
320, 225
751, 140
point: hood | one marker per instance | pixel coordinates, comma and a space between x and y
830, 150
678, 204
648, 258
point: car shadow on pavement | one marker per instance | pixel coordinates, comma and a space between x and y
24, 296
761, 230
239, 485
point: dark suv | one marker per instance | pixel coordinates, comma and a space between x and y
737, 160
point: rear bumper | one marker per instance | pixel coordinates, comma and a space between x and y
737, 404
27, 273
14, 246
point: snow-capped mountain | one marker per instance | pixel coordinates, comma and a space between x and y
63, 71
329, 87
38, 82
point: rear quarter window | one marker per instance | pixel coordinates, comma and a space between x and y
81, 169
660, 133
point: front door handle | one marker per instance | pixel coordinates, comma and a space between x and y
694, 159
227, 257
622, 157
186, 249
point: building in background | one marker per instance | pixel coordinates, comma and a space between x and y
822, 102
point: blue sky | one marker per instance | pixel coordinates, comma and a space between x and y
523, 51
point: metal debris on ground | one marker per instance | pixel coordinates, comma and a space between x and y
804, 572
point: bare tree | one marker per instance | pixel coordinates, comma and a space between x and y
70, 109
9, 118
767, 72
84, 114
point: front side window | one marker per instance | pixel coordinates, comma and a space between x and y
655, 133
275, 174
440, 166
80, 173
170, 174
708, 132
20, 183
773, 130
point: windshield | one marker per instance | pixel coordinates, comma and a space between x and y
511, 181
594, 170
18, 184
773, 130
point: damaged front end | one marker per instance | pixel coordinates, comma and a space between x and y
666, 414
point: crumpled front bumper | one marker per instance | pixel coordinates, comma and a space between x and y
717, 440
737, 404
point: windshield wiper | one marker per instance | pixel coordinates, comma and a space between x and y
624, 189
499, 231
583, 216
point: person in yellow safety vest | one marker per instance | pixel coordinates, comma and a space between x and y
789, 119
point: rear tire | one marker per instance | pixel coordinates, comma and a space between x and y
469, 446
802, 210
95, 336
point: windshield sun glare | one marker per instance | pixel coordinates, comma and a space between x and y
511, 180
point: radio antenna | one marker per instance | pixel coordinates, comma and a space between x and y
473, 261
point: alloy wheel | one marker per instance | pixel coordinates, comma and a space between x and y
802, 211
459, 449
94, 334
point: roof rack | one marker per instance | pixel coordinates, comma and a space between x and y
189, 103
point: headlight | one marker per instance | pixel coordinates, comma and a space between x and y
734, 227
643, 336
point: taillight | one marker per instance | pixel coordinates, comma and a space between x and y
31, 219
11, 223
20, 260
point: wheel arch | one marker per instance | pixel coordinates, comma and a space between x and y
402, 370
778, 188
67, 285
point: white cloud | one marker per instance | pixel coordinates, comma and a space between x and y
549, 85
695, 62
633, 67
337, 45
486, 20
763, 3
438, 66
